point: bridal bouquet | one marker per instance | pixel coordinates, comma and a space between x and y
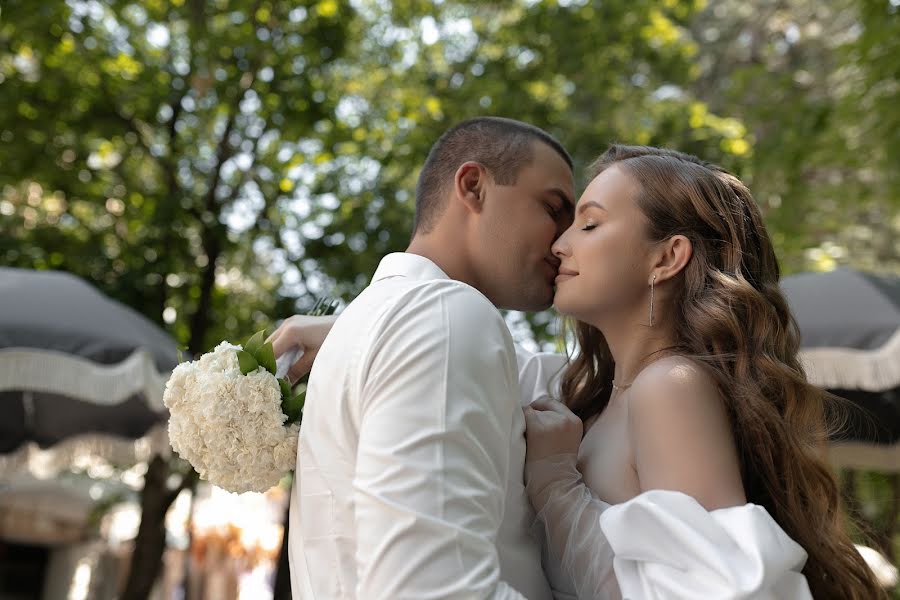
232, 418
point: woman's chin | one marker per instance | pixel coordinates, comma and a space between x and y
560, 304
566, 307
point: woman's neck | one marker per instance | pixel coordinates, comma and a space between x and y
634, 344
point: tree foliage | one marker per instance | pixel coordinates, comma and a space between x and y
215, 164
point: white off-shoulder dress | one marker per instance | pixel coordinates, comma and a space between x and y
658, 545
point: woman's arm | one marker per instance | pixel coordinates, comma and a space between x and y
681, 435
690, 533
664, 543
568, 512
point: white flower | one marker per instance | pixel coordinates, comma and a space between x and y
230, 426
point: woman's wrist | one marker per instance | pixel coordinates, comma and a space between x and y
550, 476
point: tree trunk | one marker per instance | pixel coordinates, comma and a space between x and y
200, 319
150, 543
282, 589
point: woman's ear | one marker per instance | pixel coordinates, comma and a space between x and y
672, 257
469, 185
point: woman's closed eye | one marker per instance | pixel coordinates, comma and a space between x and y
589, 226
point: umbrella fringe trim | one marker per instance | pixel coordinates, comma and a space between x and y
74, 451
35, 370
849, 369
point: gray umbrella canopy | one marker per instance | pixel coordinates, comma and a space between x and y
54, 310
849, 326
850, 337
75, 362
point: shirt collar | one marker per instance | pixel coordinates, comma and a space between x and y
405, 264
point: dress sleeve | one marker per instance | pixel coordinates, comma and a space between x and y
666, 545
661, 545
568, 518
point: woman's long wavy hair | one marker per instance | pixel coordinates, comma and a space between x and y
730, 315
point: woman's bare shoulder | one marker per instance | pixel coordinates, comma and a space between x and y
676, 387
676, 373
682, 434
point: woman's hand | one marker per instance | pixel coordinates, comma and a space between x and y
550, 429
305, 331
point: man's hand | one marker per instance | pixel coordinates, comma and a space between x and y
550, 429
305, 331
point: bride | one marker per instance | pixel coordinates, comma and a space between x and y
686, 380
685, 458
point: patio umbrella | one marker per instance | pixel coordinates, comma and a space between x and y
73, 361
850, 344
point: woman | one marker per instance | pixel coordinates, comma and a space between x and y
686, 380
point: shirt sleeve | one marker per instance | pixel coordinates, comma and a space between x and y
539, 374
438, 391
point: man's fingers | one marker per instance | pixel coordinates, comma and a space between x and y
281, 341
301, 367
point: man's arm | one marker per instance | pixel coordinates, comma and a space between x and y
539, 373
438, 399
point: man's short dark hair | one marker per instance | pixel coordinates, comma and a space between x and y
502, 146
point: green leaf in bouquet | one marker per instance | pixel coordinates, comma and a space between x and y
300, 400
285, 388
246, 361
265, 356
255, 342
292, 406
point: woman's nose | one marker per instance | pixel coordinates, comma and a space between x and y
560, 248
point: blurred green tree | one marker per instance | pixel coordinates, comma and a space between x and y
211, 164
139, 140
815, 84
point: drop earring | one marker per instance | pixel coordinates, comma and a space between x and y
652, 282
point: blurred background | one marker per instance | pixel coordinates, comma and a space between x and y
205, 168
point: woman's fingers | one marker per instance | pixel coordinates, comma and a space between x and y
531, 418
548, 404
551, 428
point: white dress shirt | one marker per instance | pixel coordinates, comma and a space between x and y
409, 480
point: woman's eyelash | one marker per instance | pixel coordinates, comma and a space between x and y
589, 226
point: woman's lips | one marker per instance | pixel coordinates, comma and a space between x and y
565, 274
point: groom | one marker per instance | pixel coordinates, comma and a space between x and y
411, 453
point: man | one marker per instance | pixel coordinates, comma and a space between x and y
411, 454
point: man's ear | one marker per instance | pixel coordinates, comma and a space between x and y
469, 185
671, 257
